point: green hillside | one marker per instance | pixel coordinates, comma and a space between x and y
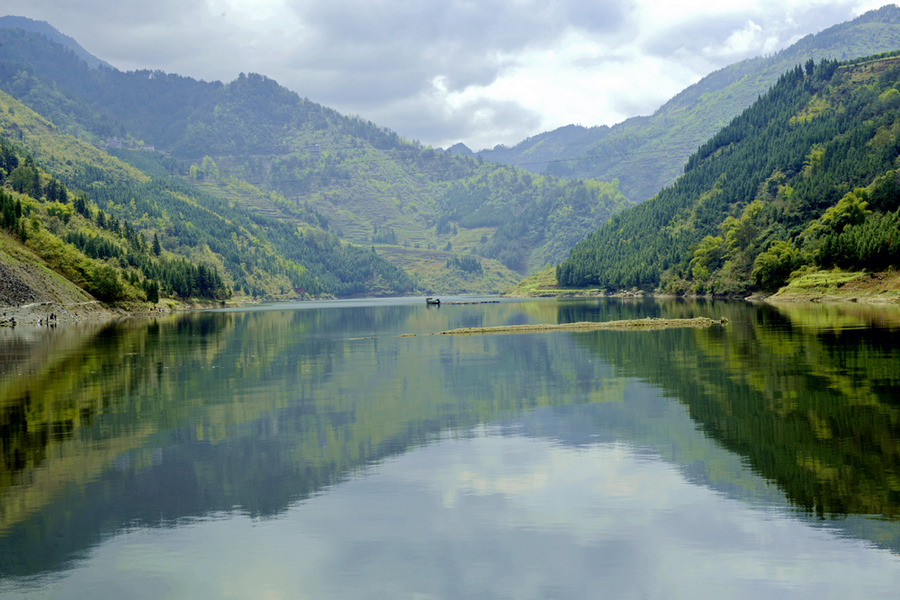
646, 154
368, 185
119, 230
804, 179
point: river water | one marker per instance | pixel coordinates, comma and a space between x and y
340, 450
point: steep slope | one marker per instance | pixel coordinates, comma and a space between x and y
371, 186
804, 179
646, 154
25, 280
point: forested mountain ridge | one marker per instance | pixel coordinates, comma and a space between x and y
646, 154
128, 233
47, 30
804, 179
370, 186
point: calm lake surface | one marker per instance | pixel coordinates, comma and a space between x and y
318, 450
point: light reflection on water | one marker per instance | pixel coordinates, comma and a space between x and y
494, 516
315, 453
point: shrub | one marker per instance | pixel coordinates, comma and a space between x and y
104, 284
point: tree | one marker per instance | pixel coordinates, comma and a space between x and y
151, 290
208, 168
707, 257
105, 285
22, 179
772, 268
852, 209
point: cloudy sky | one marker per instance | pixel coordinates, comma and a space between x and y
483, 72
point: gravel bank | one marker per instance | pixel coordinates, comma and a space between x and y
55, 313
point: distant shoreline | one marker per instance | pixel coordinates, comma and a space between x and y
820, 287
773, 298
815, 286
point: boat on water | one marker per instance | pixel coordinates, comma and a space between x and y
430, 300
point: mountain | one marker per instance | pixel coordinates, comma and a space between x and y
804, 180
429, 212
646, 154
134, 232
52, 34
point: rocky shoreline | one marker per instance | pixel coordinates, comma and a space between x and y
43, 314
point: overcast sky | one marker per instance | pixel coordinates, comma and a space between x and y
483, 72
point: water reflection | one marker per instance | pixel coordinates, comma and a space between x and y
223, 424
813, 407
493, 513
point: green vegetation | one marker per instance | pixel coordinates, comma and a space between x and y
835, 284
537, 218
162, 235
266, 188
771, 193
539, 283
105, 256
436, 272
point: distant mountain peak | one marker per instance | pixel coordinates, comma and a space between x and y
54, 35
460, 148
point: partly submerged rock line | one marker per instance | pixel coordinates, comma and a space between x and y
647, 323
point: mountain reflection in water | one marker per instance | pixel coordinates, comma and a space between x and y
227, 454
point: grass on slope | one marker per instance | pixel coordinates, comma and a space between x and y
543, 283
837, 285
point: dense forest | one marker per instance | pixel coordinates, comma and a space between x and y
803, 179
104, 255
